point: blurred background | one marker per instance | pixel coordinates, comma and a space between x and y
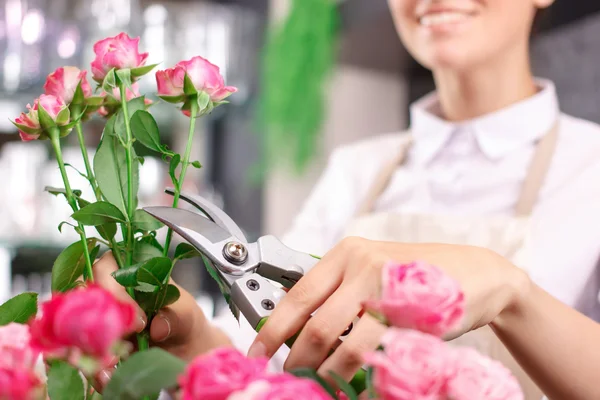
361, 59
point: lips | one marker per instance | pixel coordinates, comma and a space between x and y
444, 17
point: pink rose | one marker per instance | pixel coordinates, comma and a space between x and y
204, 75
419, 296
119, 52
478, 377
63, 82
19, 384
88, 321
14, 347
413, 366
281, 387
214, 376
28, 123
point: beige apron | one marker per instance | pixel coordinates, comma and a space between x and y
505, 235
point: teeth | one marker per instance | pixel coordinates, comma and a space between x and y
442, 18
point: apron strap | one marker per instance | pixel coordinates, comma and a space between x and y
383, 178
538, 169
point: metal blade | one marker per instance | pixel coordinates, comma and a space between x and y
176, 219
208, 238
213, 212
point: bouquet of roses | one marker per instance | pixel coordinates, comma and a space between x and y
56, 351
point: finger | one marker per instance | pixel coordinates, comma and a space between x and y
102, 270
101, 379
174, 324
295, 307
348, 358
323, 330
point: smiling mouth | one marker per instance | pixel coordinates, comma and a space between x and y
441, 18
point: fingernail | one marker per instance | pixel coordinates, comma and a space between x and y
104, 377
257, 350
162, 329
140, 325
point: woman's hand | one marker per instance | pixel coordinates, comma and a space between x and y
350, 274
181, 328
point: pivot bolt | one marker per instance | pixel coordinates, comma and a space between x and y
235, 252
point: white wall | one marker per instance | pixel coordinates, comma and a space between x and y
348, 120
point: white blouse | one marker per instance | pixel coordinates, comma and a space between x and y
473, 167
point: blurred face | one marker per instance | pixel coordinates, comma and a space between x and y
461, 34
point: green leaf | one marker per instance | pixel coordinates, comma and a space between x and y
145, 222
127, 276
141, 71
64, 382
185, 250
124, 76
19, 309
153, 272
78, 96
171, 296
99, 213
146, 288
312, 374
145, 130
110, 168
107, 231
196, 164
203, 100
143, 374
188, 86
110, 81
69, 265
65, 223
133, 106
344, 386
175, 160
146, 249
46, 121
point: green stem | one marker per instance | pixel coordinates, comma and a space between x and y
55, 138
129, 158
184, 165
94, 184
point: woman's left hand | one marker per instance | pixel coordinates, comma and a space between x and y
349, 275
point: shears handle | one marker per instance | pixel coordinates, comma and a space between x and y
358, 383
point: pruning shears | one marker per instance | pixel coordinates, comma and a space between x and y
244, 271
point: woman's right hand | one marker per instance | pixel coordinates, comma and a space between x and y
181, 328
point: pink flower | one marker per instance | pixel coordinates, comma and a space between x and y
63, 82
214, 376
19, 384
14, 347
419, 296
28, 123
204, 75
478, 377
119, 52
413, 366
281, 387
88, 321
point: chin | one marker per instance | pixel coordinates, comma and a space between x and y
453, 58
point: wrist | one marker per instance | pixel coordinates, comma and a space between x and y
521, 287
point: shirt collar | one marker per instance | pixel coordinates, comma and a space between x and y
497, 133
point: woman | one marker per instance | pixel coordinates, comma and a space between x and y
489, 161
555, 344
